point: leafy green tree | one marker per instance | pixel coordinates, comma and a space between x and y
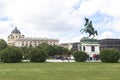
43, 46
80, 56
3, 44
11, 55
69, 52
25, 52
51, 50
61, 50
37, 55
109, 55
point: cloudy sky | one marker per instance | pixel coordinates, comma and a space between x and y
59, 19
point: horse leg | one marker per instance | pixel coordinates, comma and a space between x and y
82, 30
93, 35
89, 35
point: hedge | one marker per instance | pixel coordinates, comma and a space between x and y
11, 55
37, 55
109, 55
80, 56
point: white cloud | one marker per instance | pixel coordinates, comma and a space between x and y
89, 7
116, 25
112, 8
107, 34
57, 18
43, 15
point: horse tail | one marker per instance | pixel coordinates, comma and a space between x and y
96, 33
82, 30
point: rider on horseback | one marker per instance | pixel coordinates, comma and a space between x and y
89, 28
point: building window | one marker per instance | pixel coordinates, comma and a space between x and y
83, 48
22, 44
30, 42
35, 44
92, 48
12, 37
80, 48
26, 44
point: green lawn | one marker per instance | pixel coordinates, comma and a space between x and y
60, 71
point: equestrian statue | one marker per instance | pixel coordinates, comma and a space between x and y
89, 28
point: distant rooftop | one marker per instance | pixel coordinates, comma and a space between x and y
31, 38
16, 31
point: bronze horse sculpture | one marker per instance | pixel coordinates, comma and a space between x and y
89, 28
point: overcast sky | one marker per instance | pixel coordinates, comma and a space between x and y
59, 19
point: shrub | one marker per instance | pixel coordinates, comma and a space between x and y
11, 55
109, 55
3, 44
37, 55
80, 56
25, 52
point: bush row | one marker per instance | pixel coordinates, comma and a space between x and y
14, 55
106, 55
11, 54
110, 55
80, 56
34, 54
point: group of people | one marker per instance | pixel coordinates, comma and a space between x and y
95, 57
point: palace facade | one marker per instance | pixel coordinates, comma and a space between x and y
16, 39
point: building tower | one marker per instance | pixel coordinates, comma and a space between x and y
15, 34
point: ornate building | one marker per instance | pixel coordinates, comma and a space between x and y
16, 39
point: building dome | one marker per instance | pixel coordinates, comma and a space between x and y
88, 40
16, 31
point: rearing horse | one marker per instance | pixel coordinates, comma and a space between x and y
89, 28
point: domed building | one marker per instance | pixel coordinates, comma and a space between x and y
15, 31
14, 36
16, 39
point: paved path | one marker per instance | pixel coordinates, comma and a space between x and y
58, 60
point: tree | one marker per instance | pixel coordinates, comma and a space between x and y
11, 55
61, 50
69, 52
109, 55
3, 44
51, 50
43, 46
80, 56
37, 55
25, 52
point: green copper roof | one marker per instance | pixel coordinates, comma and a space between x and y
88, 40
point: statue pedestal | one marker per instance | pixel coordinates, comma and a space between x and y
90, 46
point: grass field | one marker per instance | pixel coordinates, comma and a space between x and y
60, 71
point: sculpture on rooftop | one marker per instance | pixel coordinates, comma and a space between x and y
89, 28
